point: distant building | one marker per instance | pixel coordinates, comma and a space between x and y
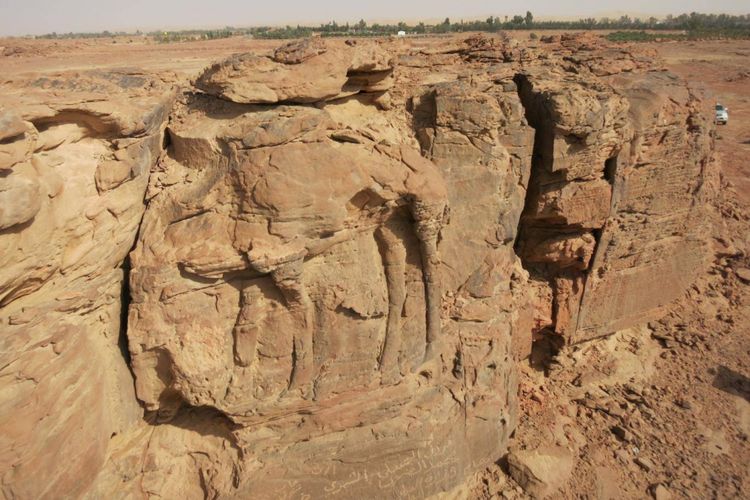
401, 33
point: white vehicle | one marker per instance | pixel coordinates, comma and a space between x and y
722, 114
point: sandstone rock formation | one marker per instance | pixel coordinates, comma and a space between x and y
307, 71
605, 171
336, 260
64, 236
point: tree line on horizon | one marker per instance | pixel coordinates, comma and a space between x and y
717, 25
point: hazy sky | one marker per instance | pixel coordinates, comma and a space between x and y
18, 17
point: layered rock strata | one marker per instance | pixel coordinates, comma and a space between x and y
77, 151
339, 252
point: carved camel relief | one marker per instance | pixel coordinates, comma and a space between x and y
411, 184
427, 206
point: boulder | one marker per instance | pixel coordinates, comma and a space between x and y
743, 274
17, 139
305, 71
542, 471
20, 199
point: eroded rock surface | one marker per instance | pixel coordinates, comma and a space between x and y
338, 259
307, 71
64, 238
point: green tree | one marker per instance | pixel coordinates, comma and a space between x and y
529, 18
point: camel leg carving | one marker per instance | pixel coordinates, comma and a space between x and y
247, 327
288, 278
390, 238
428, 222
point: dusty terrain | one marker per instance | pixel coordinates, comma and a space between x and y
659, 409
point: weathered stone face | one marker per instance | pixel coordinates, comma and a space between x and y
334, 262
654, 239
63, 239
307, 71
320, 284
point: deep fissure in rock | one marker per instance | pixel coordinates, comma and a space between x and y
125, 299
610, 169
545, 343
556, 250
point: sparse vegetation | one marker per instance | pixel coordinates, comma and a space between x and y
191, 35
707, 34
100, 34
690, 26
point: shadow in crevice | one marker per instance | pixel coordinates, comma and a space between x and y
545, 347
610, 170
206, 421
423, 109
125, 299
732, 382
542, 153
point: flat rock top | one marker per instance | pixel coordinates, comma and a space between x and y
119, 101
743, 273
